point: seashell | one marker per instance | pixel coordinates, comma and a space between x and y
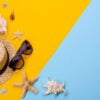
3, 25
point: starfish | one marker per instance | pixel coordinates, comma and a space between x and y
27, 84
54, 87
17, 34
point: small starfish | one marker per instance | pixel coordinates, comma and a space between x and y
17, 34
54, 87
27, 85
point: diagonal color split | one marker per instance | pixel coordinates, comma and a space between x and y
44, 23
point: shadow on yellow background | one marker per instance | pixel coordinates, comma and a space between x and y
44, 23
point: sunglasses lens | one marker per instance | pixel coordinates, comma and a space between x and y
29, 48
17, 62
26, 48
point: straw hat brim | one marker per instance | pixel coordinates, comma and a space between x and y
11, 51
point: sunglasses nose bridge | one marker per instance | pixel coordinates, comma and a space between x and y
18, 53
21, 51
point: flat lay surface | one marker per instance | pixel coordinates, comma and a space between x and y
44, 24
65, 37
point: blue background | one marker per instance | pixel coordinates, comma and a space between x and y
77, 61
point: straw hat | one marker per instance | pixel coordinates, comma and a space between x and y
7, 52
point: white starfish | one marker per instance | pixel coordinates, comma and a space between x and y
17, 34
54, 87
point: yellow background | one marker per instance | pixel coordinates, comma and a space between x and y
44, 23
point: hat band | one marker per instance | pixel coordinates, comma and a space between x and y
6, 64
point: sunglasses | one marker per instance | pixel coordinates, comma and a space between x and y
17, 61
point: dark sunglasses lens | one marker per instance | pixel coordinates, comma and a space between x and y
26, 48
17, 62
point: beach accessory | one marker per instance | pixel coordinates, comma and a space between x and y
17, 61
10, 60
27, 84
7, 52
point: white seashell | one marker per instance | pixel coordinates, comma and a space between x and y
5, 4
54, 87
2, 91
3, 25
